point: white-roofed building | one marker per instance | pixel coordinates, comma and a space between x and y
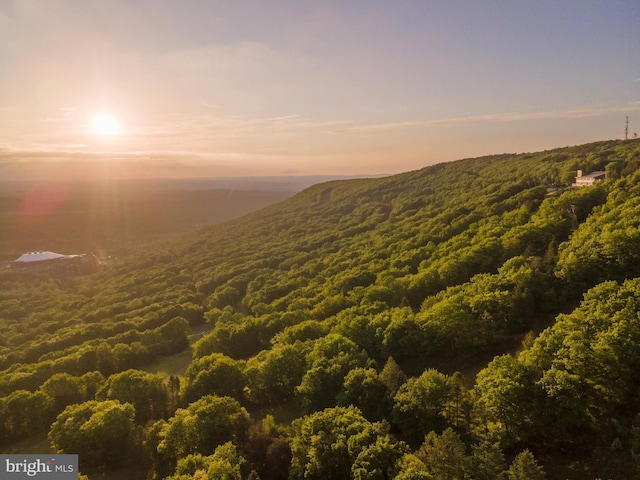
39, 257
589, 179
33, 262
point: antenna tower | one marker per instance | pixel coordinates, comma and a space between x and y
626, 129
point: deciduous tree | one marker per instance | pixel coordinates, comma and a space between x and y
101, 433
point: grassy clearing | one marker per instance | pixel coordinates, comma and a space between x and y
177, 364
174, 365
35, 444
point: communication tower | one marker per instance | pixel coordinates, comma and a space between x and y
626, 129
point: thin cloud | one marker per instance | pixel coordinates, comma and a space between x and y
177, 135
496, 118
44, 153
210, 126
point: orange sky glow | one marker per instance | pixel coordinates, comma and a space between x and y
218, 88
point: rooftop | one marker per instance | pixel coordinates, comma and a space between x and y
596, 174
41, 256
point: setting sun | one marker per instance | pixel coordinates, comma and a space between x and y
105, 124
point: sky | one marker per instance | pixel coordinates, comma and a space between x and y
300, 87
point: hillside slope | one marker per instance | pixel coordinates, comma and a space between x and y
338, 303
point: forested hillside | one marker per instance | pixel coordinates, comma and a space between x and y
471, 320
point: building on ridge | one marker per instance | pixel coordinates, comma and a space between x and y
590, 179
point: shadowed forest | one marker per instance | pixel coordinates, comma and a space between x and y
470, 320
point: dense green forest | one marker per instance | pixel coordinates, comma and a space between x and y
472, 320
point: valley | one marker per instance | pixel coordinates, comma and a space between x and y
111, 217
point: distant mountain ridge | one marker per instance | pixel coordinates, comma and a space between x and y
112, 216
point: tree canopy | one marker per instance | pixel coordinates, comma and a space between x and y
380, 320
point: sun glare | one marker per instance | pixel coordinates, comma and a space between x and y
105, 124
